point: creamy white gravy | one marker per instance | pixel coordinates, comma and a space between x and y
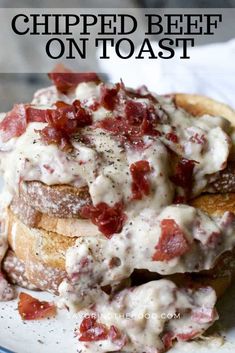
104, 165
146, 314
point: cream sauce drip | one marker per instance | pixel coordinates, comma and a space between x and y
104, 165
145, 314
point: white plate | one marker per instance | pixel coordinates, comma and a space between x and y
42, 336
57, 335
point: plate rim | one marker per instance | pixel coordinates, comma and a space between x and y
5, 350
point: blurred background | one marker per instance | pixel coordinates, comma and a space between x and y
20, 87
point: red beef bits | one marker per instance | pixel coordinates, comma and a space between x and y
109, 96
140, 183
172, 243
15, 122
93, 331
31, 308
172, 137
184, 173
142, 116
138, 120
109, 220
66, 80
64, 121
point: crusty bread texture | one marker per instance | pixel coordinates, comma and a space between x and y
198, 105
215, 204
42, 252
61, 201
44, 221
70, 227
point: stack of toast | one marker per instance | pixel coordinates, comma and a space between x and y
44, 222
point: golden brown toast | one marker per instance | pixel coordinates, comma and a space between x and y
215, 204
43, 252
61, 201
226, 180
37, 244
70, 227
198, 105
15, 270
54, 213
64, 201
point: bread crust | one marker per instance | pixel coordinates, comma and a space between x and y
215, 204
41, 252
226, 180
50, 247
56, 211
70, 227
65, 201
37, 244
25, 212
14, 268
44, 277
60, 201
32, 275
198, 105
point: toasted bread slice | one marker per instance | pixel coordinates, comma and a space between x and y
43, 252
55, 200
226, 181
15, 271
37, 274
32, 275
198, 105
37, 244
70, 227
64, 201
215, 204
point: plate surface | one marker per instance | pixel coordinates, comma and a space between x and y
57, 335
